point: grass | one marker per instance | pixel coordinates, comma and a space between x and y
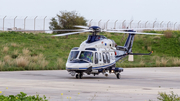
168, 97
22, 97
22, 61
176, 61
163, 96
28, 51
164, 61
5, 49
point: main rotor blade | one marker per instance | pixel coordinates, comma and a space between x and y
134, 33
65, 34
45, 30
84, 27
132, 29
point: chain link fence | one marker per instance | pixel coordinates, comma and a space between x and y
42, 23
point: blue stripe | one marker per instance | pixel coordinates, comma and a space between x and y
94, 67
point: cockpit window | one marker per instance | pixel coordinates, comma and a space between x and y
73, 55
97, 38
94, 38
86, 55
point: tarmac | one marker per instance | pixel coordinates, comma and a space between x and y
136, 84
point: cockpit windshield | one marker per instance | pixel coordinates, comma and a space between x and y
86, 55
73, 55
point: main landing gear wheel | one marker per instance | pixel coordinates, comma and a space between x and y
79, 76
118, 75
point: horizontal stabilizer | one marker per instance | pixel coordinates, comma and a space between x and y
141, 53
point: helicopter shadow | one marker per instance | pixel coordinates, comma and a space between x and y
91, 77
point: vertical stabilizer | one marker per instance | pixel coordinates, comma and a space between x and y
129, 42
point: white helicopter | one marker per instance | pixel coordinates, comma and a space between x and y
98, 54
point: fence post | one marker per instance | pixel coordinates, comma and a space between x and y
104, 25
35, 22
3, 22
145, 24
90, 22
99, 23
130, 23
14, 22
44, 23
107, 24
161, 24
174, 25
123, 23
154, 24
168, 24
25, 22
138, 23
115, 24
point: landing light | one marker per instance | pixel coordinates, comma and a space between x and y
112, 71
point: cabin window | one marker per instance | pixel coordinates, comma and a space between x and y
99, 56
104, 57
96, 58
73, 55
87, 56
108, 57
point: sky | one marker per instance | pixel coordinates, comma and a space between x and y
144, 10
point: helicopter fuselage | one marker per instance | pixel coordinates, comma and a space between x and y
95, 55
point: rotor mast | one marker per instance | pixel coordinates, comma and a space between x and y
95, 29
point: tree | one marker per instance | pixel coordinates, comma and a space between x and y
66, 20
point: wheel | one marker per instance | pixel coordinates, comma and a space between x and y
77, 76
80, 75
118, 76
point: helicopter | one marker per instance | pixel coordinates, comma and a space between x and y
99, 54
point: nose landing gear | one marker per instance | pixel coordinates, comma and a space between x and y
79, 76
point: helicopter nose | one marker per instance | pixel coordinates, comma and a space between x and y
77, 65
